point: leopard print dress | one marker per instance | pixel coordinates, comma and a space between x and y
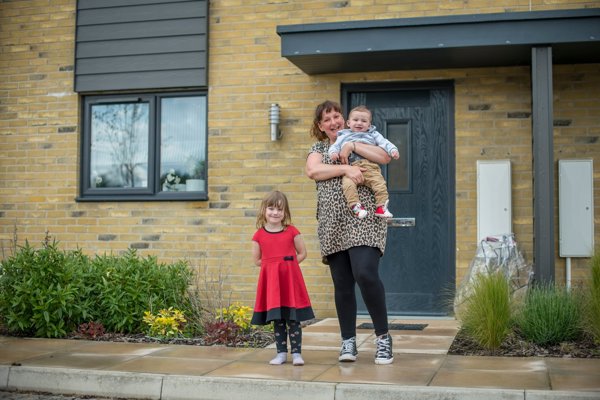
338, 228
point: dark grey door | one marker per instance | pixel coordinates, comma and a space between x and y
418, 268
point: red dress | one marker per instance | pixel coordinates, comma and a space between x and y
281, 292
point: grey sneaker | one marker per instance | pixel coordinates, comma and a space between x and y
348, 351
384, 354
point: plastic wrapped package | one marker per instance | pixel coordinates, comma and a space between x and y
497, 252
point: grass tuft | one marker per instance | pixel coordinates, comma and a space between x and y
591, 302
549, 315
485, 315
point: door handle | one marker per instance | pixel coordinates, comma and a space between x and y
401, 222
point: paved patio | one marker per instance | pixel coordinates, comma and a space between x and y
421, 363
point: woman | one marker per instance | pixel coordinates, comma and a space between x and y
351, 246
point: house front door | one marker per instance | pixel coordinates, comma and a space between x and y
418, 267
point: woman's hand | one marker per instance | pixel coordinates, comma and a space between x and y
371, 153
318, 171
355, 174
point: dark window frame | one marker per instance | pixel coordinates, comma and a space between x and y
153, 191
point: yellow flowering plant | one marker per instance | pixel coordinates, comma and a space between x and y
168, 323
238, 314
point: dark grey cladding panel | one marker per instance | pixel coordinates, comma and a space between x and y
139, 80
86, 4
141, 30
146, 12
142, 63
140, 44
130, 47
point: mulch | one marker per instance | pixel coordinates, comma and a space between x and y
515, 346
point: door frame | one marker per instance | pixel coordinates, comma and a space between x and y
448, 85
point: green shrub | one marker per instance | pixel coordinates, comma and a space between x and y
128, 285
485, 315
42, 292
49, 293
591, 303
549, 315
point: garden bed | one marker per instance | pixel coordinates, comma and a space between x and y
514, 346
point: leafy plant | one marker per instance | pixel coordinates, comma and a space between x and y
91, 330
222, 332
43, 291
198, 170
168, 323
549, 315
591, 301
128, 285
486, 313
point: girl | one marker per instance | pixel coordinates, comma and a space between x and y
281, 295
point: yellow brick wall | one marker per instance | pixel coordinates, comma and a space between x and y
39, 136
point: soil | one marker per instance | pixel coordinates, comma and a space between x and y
515, 346
257, 339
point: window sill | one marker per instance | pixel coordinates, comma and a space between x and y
163, 196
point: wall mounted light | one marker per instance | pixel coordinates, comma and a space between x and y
274, 120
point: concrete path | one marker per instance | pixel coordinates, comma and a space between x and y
421, 370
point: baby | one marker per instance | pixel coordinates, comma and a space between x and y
361, 130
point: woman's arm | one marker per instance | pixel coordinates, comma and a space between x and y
368, 151
300, 248
319, 171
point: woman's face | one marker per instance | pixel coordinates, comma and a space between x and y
331, 122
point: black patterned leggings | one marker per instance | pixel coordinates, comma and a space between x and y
294, 329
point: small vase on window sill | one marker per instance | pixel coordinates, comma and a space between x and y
195, 185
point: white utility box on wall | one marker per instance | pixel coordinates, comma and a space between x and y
576, 207
494, 202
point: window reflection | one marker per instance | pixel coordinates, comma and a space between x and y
119, 145
183, 161
399, 170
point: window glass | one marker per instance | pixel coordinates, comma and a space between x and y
119, 146
399, 171
146, 146
182, 144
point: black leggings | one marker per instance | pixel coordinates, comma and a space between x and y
358, 265
293, 329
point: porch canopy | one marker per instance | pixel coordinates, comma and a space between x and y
539, 39
457, 41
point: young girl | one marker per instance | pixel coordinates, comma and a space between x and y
281, 295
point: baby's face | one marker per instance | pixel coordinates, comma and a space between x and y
359, 121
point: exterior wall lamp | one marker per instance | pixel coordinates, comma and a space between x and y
274, 120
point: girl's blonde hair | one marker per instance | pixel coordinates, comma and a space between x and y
273, 199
